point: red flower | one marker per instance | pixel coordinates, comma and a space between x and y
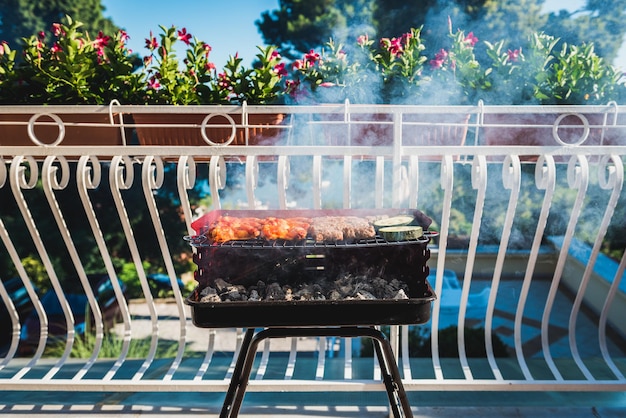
471, 39
184, 36
207, 49
280, 70
312, 57
101, 41
513, 56
393, 45
57, 30
56, 48
153, 83
124, 36
440, 59
151, 43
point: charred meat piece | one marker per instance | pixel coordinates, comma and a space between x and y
229, 228
340, 228
287, 229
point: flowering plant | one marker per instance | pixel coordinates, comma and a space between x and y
68, 67
546, 74
199, 82
397, 68
400, 70
328, 75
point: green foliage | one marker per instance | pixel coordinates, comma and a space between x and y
111, 347
22, 18
36, 273
298, 26
76, 69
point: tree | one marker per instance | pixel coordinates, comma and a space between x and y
599, 21
300, 25
23, 18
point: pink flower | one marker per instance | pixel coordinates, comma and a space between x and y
406, 38
440, 59
184, 36
362, 40
41, 35
276, 55
312, 57
280, 70
210, 66
153, 83
56, 48
292, 87
470, 39
151, 43
57, 29
124, 36
513, 56
327, 84
223, 81
393, 45
101, 41
436, 64
297, 64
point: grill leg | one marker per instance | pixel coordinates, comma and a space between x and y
236, 379
391, 377
384, 353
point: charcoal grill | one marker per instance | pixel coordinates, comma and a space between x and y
245, 262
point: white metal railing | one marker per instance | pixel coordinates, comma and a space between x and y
558, 312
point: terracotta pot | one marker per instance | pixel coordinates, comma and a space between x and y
260, 133
48, 133
417, 129
570, 129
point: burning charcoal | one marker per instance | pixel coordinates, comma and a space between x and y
304, 293
209, 294
274, 292
288, 293
317, 290
364, 295
334, 295
398, 284
232, 294
221, 285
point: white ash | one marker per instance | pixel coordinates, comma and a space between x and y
346, 287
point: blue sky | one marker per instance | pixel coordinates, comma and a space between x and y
228, 26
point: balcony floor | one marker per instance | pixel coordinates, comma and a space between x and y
363, 404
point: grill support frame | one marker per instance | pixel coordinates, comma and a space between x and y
390, 373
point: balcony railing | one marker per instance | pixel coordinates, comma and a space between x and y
523, 226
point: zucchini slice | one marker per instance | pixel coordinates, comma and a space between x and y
399, 220
401, 233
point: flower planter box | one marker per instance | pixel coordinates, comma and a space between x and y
80, 129
377, 129
417, 130
541, 127
261, 129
